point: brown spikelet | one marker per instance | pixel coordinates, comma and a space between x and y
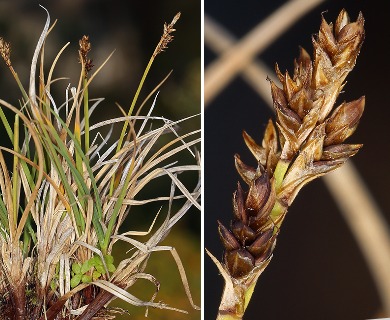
85, 48
167, 36
306, 101
5, 51
307, 98
252, 212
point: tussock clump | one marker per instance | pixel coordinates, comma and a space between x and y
65, 196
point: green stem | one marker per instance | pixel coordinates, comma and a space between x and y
77, 135
279, 173
248, 294
122, 136
277, 213
79, 160
134, 102
86, 116
24, 93
15, 176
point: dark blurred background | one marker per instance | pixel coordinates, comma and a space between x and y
317, 271
132, 29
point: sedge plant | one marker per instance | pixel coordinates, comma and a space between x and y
68, 190
306, 143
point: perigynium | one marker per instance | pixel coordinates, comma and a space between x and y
307, 142
68, 191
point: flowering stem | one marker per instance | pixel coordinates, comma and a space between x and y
141, 83
15, 170
86, 116
122, 136
77, 134
166, 38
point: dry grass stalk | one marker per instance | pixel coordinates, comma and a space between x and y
63, 202
308, 144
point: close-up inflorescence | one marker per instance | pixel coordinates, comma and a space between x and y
306, 143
